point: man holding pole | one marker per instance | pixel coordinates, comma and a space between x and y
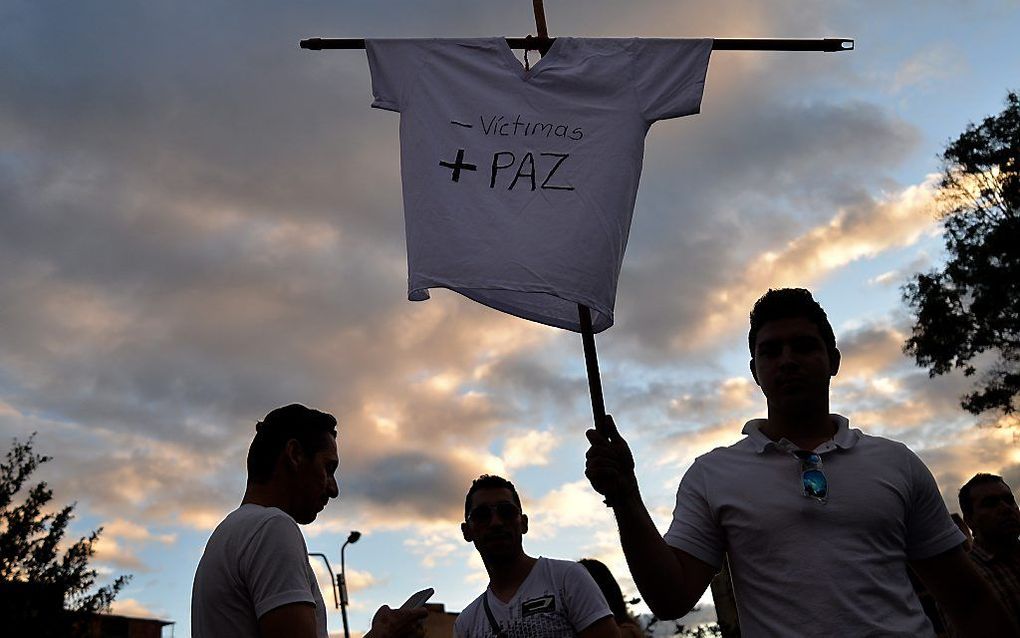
820, 521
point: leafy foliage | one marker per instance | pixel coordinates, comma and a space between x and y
30, 539
968, 314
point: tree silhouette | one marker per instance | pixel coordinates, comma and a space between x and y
967, 315
30, 539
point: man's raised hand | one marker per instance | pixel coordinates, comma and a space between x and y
397, 623
609, 464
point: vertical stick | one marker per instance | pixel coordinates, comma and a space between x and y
591, 357
591, 362
543, 30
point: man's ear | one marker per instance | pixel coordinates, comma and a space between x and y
835, 358
465, 530
293, 453
524, 523
754, 372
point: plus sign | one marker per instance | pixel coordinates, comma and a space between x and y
458, 164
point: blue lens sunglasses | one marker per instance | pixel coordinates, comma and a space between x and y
812, 476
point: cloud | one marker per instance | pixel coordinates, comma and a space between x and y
437, 548
872, 349
131, 531
188, 244
134, 608
707, 399
573, 504
531, 447
929, 66
112, 553
855, 232
121, 541
756, 210
193, 236
922, 263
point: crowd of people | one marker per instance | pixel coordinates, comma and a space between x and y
825, 530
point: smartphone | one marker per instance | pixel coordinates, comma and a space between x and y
418, 599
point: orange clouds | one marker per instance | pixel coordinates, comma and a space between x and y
898, 220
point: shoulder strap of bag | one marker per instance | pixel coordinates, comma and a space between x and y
496, 630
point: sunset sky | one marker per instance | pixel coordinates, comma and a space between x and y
200, 222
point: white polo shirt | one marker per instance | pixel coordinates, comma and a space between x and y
804, 567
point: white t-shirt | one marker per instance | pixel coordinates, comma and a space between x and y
803, 567
255, 561
558, 599
519, 186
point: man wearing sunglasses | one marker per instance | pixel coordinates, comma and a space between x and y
527, 597
254, 580
819, 521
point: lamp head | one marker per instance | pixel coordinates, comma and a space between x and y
354, 536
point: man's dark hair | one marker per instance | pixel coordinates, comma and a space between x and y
272, 433
966, 506
488, 482
789, 303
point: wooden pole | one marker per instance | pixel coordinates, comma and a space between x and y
591, 357
830, 45
591, 364
542, 29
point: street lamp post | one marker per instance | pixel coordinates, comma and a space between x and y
329, 570
341, 580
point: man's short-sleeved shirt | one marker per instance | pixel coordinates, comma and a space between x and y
255, 561
558, 599
801, 566
519, 185
1003, 574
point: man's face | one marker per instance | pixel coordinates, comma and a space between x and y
995, 516
316, 480
495, 524
791, 363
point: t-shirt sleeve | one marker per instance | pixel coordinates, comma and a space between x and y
460, 628
274, 566
584, 600
930, 530
669, 75
395, 65
694, 528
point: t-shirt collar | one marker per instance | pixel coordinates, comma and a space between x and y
844, 438
515, 65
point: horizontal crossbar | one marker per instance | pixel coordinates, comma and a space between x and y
718, 44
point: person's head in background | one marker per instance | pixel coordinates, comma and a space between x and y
610, 589
990, 510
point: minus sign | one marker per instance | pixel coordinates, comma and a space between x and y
461, 124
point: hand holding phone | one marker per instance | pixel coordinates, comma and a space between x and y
418, 599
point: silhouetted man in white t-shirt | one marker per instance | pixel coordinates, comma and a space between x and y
254, 580
527, 597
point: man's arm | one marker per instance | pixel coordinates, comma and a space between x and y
670, 580
603, 628
969, 601
294, 620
